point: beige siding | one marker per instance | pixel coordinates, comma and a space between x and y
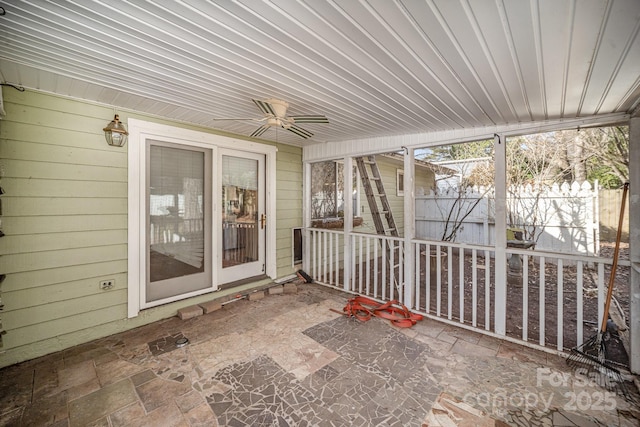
56, 221
289, 204
65, 220
64, 215
61, 276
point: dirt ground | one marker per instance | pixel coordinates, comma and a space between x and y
515, 300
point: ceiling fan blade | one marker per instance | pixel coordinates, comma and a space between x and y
265, 107
262, 129
303, 133
309, 119
253, 119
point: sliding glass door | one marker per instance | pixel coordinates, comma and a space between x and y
178, 220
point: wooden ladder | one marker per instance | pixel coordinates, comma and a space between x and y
383, 208
381, 212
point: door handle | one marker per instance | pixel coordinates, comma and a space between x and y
263, 220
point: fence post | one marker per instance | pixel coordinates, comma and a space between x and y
500, 273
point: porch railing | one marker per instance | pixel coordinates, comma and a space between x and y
553, 301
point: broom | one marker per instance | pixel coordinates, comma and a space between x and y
591, 356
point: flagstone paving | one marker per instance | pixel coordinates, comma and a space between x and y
288, 360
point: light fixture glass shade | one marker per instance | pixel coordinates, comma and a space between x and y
115, 133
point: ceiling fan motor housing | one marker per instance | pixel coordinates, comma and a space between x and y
277, 121
275, 115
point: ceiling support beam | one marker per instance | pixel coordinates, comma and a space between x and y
384, 144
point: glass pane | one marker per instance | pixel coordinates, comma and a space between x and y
240, 215
327, 190
324, 191
176, 213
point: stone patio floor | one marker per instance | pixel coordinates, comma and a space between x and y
287, 360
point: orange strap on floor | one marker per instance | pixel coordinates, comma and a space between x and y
363, 308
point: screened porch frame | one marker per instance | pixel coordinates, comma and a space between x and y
316, 255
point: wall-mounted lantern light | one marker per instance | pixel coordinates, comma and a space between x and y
115, 133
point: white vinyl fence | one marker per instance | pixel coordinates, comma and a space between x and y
558, 218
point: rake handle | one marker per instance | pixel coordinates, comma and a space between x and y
616, 251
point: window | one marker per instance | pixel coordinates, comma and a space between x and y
399, 182
328, 191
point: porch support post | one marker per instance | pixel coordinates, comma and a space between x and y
634, 243
409, 225
306, 215
348, 220
500, 272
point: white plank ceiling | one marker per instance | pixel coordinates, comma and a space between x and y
373, 67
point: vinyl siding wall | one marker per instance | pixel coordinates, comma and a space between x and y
64, 215
289, 204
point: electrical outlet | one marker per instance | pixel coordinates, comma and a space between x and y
107, 284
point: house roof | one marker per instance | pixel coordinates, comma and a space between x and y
434, 167
373, 67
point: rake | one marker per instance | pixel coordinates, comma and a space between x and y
591, 357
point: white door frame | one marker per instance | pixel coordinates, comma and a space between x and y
139, 132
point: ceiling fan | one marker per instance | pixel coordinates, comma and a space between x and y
275, 114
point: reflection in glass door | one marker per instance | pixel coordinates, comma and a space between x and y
178, 220
243, 219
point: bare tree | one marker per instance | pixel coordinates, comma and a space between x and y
473, 157
465, 202
607, 154
587, 154
326, 186
534, 162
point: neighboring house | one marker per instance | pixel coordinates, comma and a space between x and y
459, 170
